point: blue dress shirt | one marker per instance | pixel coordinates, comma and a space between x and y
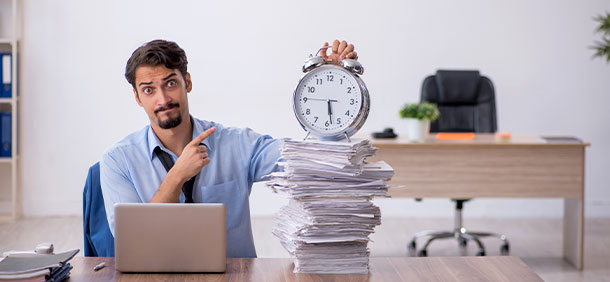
130, 172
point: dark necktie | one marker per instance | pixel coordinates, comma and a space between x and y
168, 163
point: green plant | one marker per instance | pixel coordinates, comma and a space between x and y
602, 48
420, 111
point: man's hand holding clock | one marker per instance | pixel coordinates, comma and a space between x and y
340, 50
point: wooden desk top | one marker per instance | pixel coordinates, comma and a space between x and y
280, 269
526, 166
479, 139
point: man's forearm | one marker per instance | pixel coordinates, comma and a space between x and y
170, 189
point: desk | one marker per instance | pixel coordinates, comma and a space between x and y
524, 167
280, 269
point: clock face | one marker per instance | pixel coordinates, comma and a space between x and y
328, 100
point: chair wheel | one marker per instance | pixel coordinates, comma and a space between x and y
422, 253
481, 253
412, 245
411, 249
463, 242
504, 249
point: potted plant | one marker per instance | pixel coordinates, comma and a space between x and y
602, 47
418, 117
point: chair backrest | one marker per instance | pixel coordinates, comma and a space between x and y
465, 99
98, 240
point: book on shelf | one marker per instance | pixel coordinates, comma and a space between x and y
6, 75
5, 134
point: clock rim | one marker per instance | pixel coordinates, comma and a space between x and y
353, 127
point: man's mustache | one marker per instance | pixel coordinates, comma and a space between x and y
166, 107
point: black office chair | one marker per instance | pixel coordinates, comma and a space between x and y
466, 102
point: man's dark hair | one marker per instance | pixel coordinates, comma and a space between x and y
156, 53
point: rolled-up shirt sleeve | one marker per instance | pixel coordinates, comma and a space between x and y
116, 185
264, 155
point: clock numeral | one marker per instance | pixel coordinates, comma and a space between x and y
330, 77
351, 101
318, 81
347, 113
341, 79
304, 99
311, 89
316, 119
338, 120
326, 124
349, 90
307, 112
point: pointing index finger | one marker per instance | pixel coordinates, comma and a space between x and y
203, 136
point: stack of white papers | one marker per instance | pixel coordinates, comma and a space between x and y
326, 225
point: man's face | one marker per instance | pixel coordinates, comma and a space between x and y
162, 94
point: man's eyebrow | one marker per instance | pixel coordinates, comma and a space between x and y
150, 82
170, 75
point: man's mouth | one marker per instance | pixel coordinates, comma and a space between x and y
166, 108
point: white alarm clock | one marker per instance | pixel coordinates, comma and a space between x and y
331, 102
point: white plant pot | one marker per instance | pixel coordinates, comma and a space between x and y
417, 130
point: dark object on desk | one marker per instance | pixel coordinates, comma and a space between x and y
466, 102
561, 139
60, 273
98, 238
386, 133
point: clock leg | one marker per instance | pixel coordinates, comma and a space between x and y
346, 136
307, 136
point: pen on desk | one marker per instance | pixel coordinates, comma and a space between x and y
99, 266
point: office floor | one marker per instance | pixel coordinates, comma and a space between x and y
538, 242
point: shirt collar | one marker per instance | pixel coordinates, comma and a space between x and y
154, 142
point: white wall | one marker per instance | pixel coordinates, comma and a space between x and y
245, 59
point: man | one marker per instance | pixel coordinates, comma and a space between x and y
214, 164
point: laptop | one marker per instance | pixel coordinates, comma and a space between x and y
170, 237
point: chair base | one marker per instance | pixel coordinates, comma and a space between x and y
460, 234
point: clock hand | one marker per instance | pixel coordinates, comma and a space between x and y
318, 99
330, 112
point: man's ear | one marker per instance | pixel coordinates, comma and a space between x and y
189, 83
135, 93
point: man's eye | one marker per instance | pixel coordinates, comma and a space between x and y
147, 90
171, 83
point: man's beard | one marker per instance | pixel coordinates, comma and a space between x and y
169, 122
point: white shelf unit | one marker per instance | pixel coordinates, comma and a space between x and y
5, 100
10, 205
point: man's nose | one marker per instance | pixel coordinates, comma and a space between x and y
164, 98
